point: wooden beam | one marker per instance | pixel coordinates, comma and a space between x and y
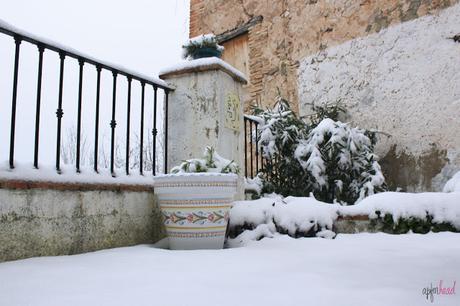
243, 29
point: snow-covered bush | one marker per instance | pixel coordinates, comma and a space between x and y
279, 133
265, 217
324, 156
211, 162
389, 212
194, 45
401, 212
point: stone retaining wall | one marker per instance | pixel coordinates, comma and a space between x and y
48, 219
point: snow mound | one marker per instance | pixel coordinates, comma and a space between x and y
253, 185
453, 185
443, 207
302, 214
295, 216
246, 237
308, 217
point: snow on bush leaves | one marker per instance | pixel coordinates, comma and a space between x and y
325, 157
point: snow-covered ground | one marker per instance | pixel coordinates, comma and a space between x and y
360, 269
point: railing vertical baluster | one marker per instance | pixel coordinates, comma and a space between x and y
128, 120
64, 53
96, 121
245, 147
59, 112
154, 131
166, 130
37, 107
17, 41
141, 149
261, 159
80, 93
251, 150
113, 124
257, 148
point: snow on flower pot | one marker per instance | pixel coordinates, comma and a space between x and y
202, 46
195, 208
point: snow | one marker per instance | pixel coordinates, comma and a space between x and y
204, 39
46, 173
443, 207
246, 237
351, 270
453, 185
295, 213
301, 214
195, 174
254, 184
322, 152
352, 143
253, 212
291, 214
77, 54
257, 119
211, 162
203, 63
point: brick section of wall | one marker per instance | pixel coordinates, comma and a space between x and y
196, 11
294, 29
25, 184
257, 37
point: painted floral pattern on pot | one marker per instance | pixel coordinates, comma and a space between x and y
199, 217
195, 208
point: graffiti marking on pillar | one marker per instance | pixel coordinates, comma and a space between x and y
232, 112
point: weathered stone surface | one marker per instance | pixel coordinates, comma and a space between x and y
403, 82
293, 29
357, 224
45, 222
198, 108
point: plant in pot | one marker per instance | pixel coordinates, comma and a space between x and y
195, 200
202, 46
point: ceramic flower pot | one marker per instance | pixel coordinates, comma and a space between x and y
206, 52
195, 208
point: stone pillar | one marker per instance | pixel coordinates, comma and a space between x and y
205, 109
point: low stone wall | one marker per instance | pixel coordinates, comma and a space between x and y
48, 219
357, 224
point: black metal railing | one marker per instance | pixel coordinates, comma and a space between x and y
252, 157
64, 53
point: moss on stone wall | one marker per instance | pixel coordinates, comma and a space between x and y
409, 172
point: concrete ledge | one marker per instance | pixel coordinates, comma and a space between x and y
201, 65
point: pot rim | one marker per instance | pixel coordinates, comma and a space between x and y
196, 174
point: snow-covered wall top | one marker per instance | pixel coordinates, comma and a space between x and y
403, 81
203, 64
